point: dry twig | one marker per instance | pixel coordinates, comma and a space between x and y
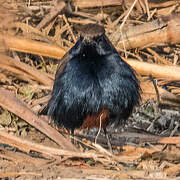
10, 102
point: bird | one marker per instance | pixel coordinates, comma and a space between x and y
93, 86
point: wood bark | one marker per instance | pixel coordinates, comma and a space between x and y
33, 47
23, 45
101, 3
165, 30
14, 105
23, 69
53, 13
168, 72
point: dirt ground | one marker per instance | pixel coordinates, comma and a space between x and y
133, 164
44, 168
35, 35
22, 166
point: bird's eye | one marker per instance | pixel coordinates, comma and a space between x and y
99, 40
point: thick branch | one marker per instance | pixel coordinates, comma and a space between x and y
95, 3
43, 49
18, 67
166, 97
52, 14
100, 3
165, 30
33, 47
11, 103
159, 71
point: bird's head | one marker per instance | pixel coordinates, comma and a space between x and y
91, 33
92, 42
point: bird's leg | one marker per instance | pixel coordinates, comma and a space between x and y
108, 140
72, 138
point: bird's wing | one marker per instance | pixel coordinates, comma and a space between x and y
62, 64
60, 68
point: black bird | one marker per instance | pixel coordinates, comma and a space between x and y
93, 85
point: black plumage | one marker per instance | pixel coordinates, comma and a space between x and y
92, 79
